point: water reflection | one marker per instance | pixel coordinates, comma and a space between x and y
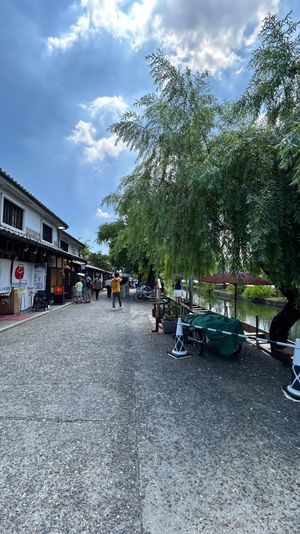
246, 311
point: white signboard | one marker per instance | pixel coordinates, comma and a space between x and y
22, 278
5, 287
40, 275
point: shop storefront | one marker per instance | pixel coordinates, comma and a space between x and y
27, 268
19, 281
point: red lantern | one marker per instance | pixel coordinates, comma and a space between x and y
58, 290
19, 272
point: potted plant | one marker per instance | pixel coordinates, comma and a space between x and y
170, 317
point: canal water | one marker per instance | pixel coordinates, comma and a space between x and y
246, 311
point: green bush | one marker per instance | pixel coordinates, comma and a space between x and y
205, 287
262, 292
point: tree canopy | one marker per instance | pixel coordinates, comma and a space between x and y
97, 259
217, 184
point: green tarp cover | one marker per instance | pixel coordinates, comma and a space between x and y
226, 344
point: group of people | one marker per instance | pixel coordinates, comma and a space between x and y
84, 288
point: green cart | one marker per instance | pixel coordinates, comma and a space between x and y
197, 329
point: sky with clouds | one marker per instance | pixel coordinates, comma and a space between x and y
70, 68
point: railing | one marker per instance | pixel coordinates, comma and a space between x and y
245, 337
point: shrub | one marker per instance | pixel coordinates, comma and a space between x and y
172, 311
262, 292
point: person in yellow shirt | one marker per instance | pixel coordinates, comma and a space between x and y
116, 290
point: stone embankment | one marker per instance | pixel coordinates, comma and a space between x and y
230, 296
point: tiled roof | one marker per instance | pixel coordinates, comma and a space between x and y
93, 268
24, 239
11, 180
63, 232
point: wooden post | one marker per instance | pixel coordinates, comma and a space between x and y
157, 304
191, 292
256, 329
235, 299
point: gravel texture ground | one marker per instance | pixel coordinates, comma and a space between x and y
102, 432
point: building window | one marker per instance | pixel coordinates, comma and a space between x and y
64, 246
12, 214
47, 233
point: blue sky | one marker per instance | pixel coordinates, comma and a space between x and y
69, 68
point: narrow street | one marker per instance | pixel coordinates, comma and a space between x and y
103, 433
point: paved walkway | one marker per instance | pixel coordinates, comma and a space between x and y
102, 432
13, 320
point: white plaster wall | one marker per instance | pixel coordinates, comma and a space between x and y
32, 219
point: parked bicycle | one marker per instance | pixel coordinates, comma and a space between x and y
144, 292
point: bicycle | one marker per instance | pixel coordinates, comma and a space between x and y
144, 292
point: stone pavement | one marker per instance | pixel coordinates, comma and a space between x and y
12, 320
102, 432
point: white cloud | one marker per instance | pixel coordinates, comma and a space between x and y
76, 31
95, 149
83, 133
101, 112
207, 34
100, 148
115, 105
103, 214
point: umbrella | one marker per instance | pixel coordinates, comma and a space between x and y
240, 278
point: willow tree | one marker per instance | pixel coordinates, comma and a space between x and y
113, 235
273, 96
169, 212
217, 184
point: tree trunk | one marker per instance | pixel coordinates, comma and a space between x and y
280, 327
151, 277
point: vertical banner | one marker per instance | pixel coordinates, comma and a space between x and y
40, 275
5, 287
22, 279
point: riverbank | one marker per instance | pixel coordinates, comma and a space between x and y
247, 311
230, 296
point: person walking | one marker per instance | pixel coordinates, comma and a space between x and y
97, 286
87, 288
116, 290
108, 287
78, 291
178, 293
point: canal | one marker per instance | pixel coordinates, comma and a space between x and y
246, 311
